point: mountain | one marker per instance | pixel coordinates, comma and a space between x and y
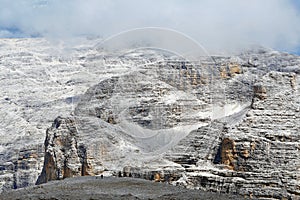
226, 124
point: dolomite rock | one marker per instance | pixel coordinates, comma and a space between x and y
259, 156
228, 153
234, 132
64, 157
260, 92
229, 156
20, 171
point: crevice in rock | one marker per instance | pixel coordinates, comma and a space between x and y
83, 159
218, 159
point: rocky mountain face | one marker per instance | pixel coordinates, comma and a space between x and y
39, 81
226, 124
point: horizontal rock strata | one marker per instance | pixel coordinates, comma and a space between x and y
225, 124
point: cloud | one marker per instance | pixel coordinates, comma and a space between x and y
216, 24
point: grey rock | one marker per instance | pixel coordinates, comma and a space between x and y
228, 124
110, 188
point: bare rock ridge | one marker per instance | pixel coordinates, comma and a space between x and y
229, 124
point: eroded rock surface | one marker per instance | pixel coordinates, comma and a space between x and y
228, 124
64, 157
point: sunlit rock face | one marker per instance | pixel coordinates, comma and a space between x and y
226, 124
64, 157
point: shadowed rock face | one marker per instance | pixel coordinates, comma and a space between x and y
170, 121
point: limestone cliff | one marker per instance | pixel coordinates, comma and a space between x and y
226, 124
259, 156
253, 151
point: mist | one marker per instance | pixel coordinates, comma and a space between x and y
217, 25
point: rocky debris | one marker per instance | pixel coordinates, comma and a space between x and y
86, 188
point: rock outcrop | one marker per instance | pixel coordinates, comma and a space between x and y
64, 157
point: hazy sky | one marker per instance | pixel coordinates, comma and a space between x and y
213, 23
